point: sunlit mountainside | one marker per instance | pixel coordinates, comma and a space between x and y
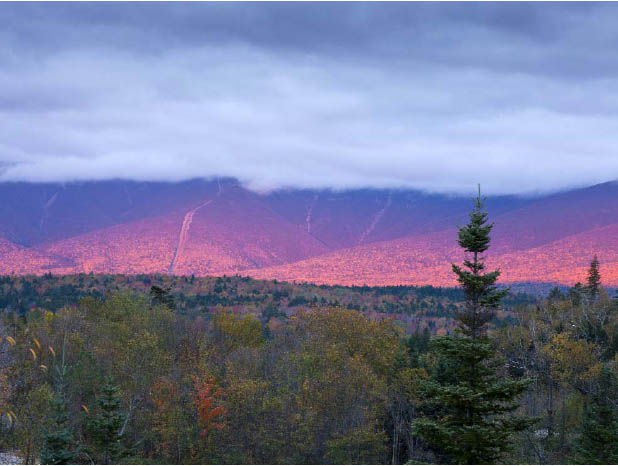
374, 237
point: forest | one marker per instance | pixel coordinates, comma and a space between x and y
106, 369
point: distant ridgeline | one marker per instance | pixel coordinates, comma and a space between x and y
414, 308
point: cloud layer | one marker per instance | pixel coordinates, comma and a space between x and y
520, 97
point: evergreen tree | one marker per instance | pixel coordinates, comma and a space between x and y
594, 280
576, 293
555, 295
105, 428
59, 446
468, 404
598, 441
160, 296
482, 296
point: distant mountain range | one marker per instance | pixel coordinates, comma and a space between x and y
373, 237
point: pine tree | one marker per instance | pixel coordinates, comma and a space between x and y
555, 295
59, 446
469, 402
482, 296
576, 293
162, 297
598, 441
594, 280
105, 428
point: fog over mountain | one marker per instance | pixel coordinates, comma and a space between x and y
519, 97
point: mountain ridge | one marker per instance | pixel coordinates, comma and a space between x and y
364, 236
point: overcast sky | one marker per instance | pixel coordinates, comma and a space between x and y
519, 97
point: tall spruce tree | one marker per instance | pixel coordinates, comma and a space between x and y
482, 296
105, 427
468, 409
594, 280
598, 441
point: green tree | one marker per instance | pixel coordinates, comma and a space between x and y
576, 293
106, 426
59, 446
598, 440
468, 406
481, 294
162, 297
594, 280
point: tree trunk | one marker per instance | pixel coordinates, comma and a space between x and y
550, 410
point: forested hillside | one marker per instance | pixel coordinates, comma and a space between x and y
163, 369
244, 371
412, 307
218, 227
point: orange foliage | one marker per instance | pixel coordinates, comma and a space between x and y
239, 234
426, 260
208, 410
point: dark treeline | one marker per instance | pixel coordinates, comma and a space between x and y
414, 307
156, 370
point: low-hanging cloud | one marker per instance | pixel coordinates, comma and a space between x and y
520, 98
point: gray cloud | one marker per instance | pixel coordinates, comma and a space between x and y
519, 97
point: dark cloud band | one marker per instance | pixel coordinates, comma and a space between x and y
521, 97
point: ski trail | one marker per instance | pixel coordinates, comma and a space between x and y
376, 219
186, 224
184, 233
308, 218
51, 201
46, 207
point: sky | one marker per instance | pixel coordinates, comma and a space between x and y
520, 97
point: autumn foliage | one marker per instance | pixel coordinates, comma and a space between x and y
348, 238
207, 399
256, 372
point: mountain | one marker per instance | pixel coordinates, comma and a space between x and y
374, 237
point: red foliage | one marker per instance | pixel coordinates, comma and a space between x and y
208, 409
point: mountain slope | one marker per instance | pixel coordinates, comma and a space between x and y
426, 259
543, 220
350, 218
227, 230
367, 236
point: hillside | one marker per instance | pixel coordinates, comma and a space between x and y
414, 308
373, 237
426, 260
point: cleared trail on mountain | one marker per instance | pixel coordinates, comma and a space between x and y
46, 206
184, 233
376, 219
308, 217
186, 225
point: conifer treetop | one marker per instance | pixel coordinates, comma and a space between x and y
482, 296
594, 279
474, 237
